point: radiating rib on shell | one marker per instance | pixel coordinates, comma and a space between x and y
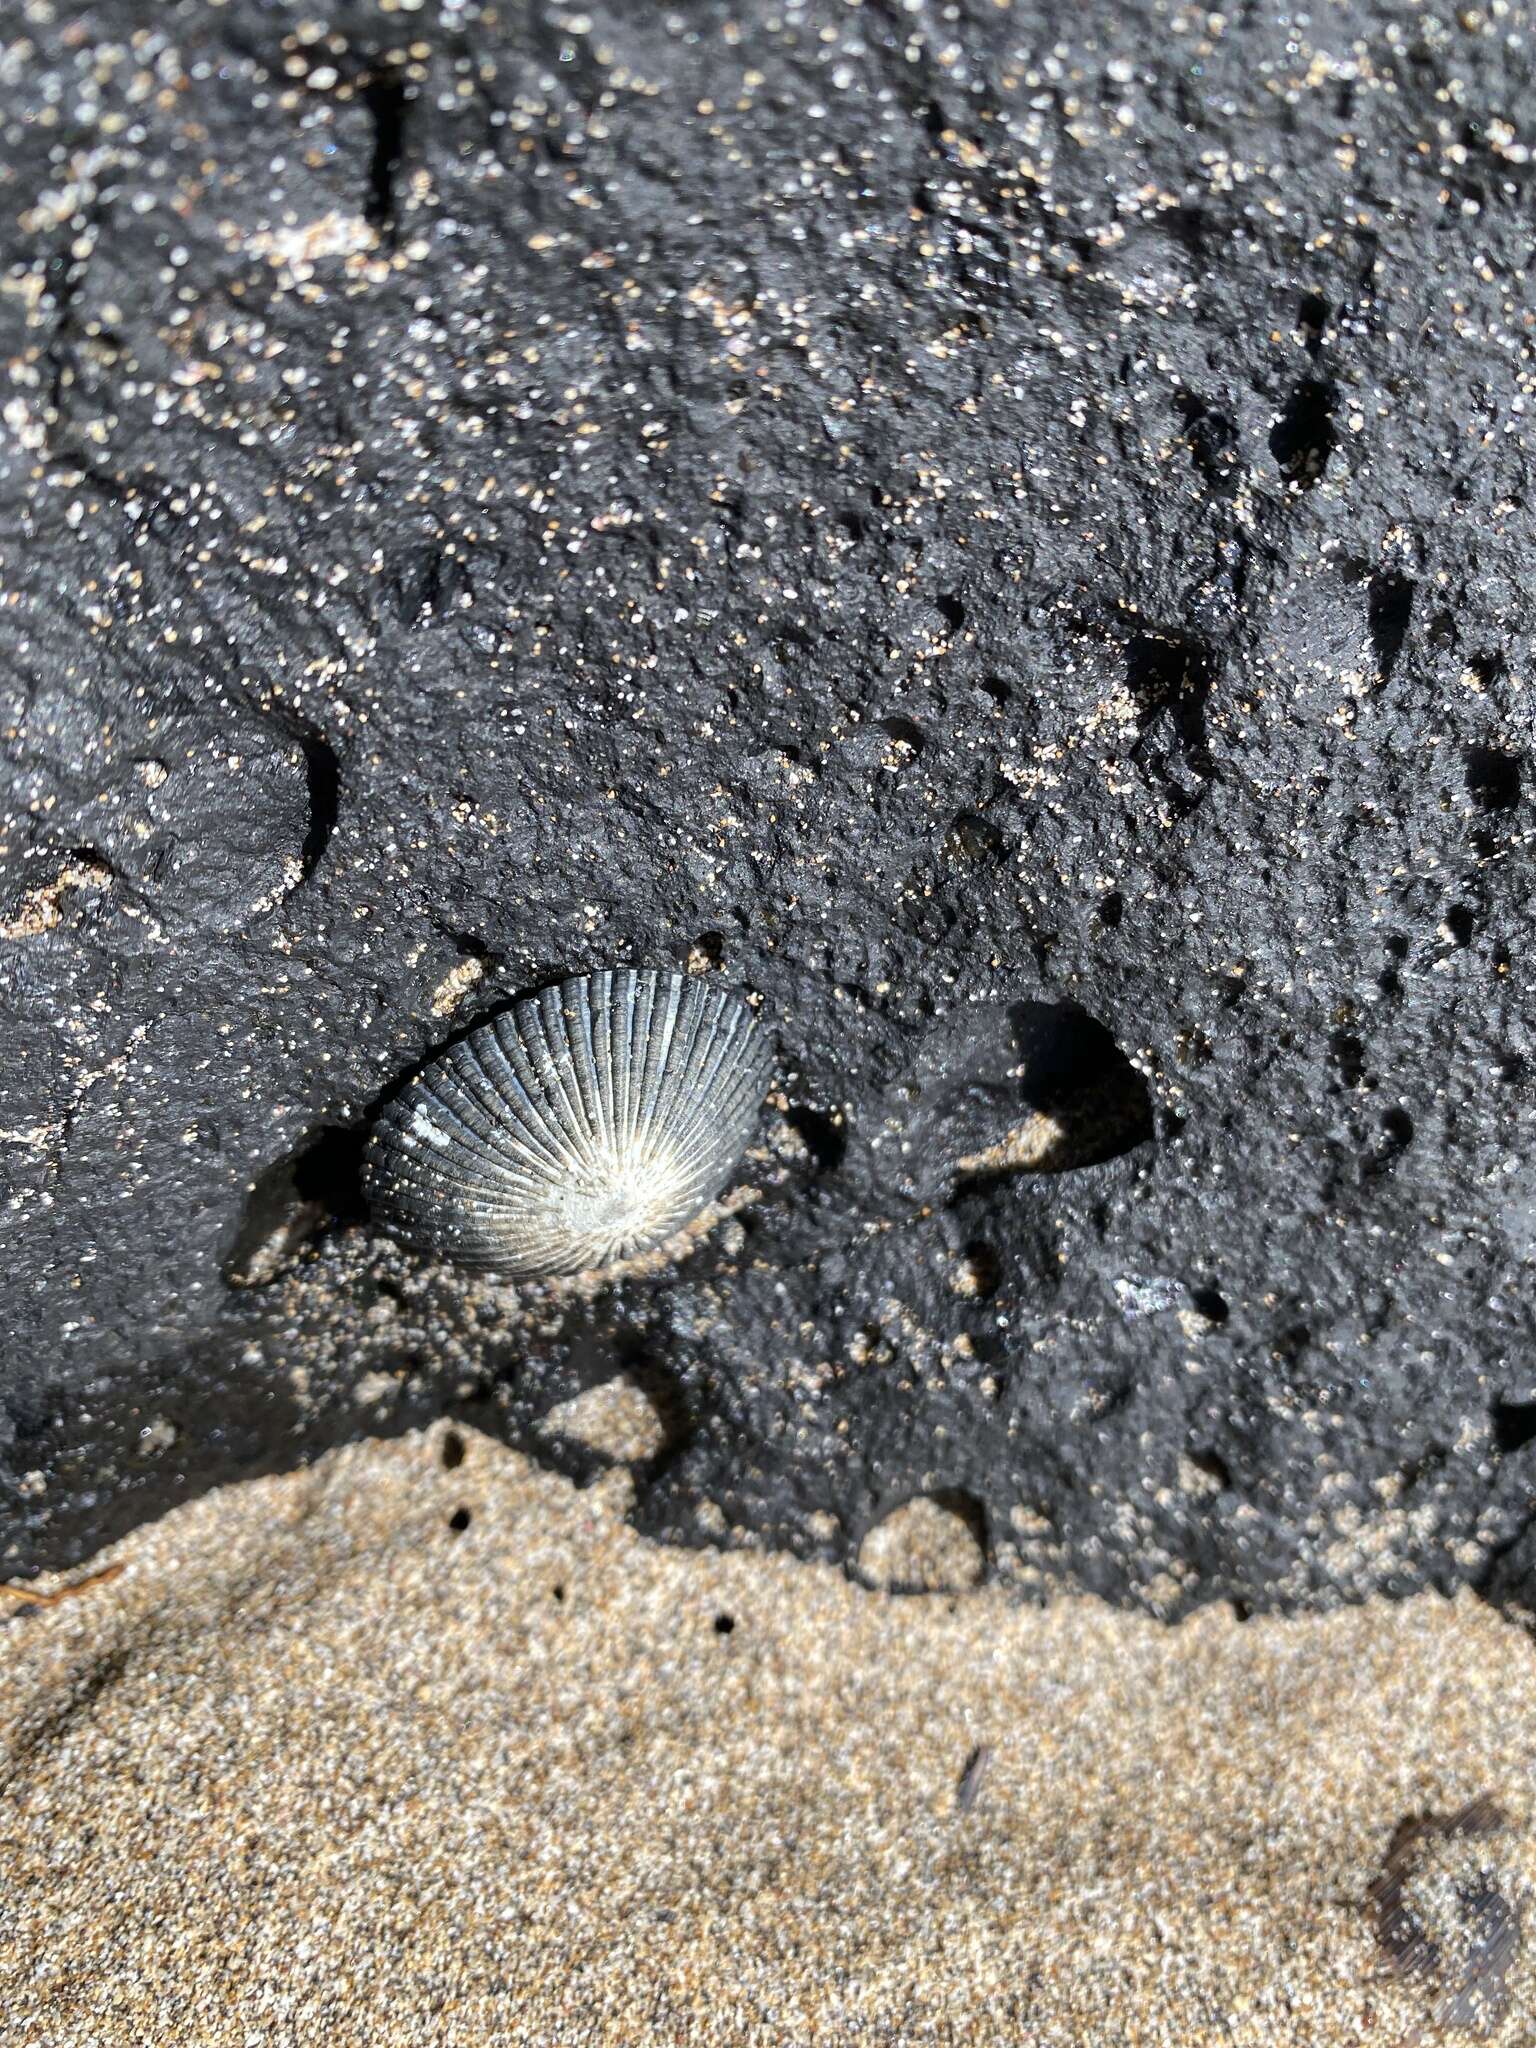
585, 1124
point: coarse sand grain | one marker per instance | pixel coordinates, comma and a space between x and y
413, 1748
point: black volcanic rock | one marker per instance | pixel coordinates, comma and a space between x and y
1002, 532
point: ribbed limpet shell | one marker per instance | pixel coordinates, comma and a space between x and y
583, 1125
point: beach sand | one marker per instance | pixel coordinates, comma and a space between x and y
423, 1745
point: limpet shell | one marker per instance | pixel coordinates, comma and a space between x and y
583, 1125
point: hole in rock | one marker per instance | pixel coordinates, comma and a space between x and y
974, 839
1111, 910
459, 1521
1493, 778
1082, 1100
1396, 1137
724, 1624
823, 1134
904, 733
293, 1201
1161, 668
868, 1342
995, 688
453, 1450
951, 610
1389, 607
978, 1272
1397, 1128
1348, 1056
322, 774
1211, 1305
327, 1170
1211, 436
1514, 1424
1304, 437
471, 947
1428, 1462
1212, 1466
1312, 321
1170, 677
1460, 923
386, 99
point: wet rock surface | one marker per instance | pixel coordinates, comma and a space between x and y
1002, 535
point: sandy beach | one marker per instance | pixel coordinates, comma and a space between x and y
423, 1745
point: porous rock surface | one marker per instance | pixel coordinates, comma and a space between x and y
1000, 530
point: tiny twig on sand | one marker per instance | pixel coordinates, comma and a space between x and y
972, 1777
